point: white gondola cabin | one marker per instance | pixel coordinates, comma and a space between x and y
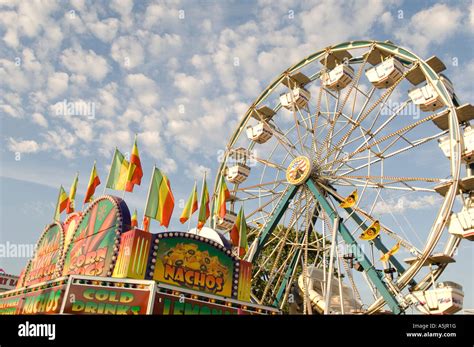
259, 133
338, 78
238, 173
297, 97
462, 223
427, 98
227, 222
447, 298
468, 151
445, 144
386, 73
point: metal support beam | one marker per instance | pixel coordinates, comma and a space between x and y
377, 241
288, 275
327, 296
368, 267
294, 260
272, 223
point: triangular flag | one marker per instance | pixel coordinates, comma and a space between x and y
160, 202
72, 195
94, 181
222, 197
191, 206
238, 234
135, 172
204, 211
60, 204
118, 172
134, 221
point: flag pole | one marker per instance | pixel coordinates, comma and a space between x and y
108, 176
148, 194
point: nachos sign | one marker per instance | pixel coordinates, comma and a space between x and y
195, 263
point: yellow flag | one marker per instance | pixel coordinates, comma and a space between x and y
350, 200
371, 232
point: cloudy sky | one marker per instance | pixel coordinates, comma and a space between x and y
180, 74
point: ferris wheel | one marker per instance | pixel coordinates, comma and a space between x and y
350, 169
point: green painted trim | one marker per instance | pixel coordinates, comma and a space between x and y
276, 216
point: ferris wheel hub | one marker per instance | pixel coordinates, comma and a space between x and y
299, 170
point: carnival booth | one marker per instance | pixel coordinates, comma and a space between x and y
95, 263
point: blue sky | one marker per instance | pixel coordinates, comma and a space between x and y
167, 71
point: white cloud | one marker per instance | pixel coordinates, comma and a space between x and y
57, 84
144, 89
123, 7
108, 100
165, 46
60, 141
23, 146
30, 63
13, 77
105, 30
130, 115
39, 119
430, 26
196, 171
386, 19
330, 21
190, 85
127, 52
11, 111
404, 204
86, 63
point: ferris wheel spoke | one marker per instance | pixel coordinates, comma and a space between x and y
369, 132
263, 206
381, 157
260, 185
396, 133
386, 179
378, 186
340, 106
381, 99
412, 143
282, 139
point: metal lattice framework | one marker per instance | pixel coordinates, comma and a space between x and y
359, 137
